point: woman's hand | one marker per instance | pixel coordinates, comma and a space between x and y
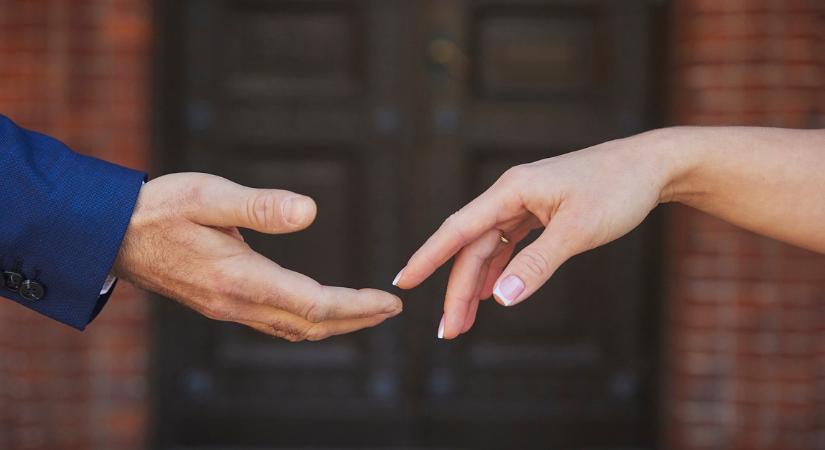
582, 200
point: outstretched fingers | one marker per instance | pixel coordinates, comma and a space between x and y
470, 318
495, 254
294, 329
465, 226
256, 279
462, 288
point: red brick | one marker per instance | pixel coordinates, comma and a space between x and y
747, 62
59, 60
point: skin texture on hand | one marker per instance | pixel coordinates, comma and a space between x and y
766, 180
582, 200
183, 243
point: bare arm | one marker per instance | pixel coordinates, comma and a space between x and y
771, 181
768, 180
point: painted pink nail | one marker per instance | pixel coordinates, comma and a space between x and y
441, 328
509, 289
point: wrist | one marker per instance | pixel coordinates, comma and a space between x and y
676, 154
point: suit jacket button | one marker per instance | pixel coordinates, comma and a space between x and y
12, 281
32, 290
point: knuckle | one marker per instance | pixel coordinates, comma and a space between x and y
216, 309
514, 174
462, 298
299, 334
315, 312
291, 337
261, 210
318, 309
316, 333
453, 224
534, 263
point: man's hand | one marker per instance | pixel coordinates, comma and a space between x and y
183, 242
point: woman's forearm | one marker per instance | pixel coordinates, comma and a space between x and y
768, 180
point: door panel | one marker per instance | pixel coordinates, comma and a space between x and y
392, 114
534, 52
282, 94
298, 50
540, 79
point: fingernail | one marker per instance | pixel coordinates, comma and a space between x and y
509, 289
441, 328
397, 277
296, 210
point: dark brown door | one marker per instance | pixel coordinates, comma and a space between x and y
392, 114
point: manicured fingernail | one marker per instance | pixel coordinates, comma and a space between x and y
509, 289
296, 210
441, 328
397, 277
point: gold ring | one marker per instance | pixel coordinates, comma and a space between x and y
503, 237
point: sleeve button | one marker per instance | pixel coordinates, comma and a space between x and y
12, 281
32, 290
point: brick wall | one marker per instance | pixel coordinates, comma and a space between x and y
746, 315
79, 70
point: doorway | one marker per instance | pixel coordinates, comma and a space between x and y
392, 114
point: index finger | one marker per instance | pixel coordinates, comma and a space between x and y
460, 229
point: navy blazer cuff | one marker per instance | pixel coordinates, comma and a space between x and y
66, 216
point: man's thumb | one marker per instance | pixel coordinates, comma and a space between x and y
223, 203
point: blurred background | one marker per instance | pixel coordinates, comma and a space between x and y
687, 334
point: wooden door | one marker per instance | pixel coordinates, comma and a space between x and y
392, 114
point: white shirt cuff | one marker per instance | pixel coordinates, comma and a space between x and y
107, 286
110, 281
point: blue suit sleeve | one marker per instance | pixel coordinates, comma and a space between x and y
62, 220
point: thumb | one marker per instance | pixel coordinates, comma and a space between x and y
223, 203
531, 268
